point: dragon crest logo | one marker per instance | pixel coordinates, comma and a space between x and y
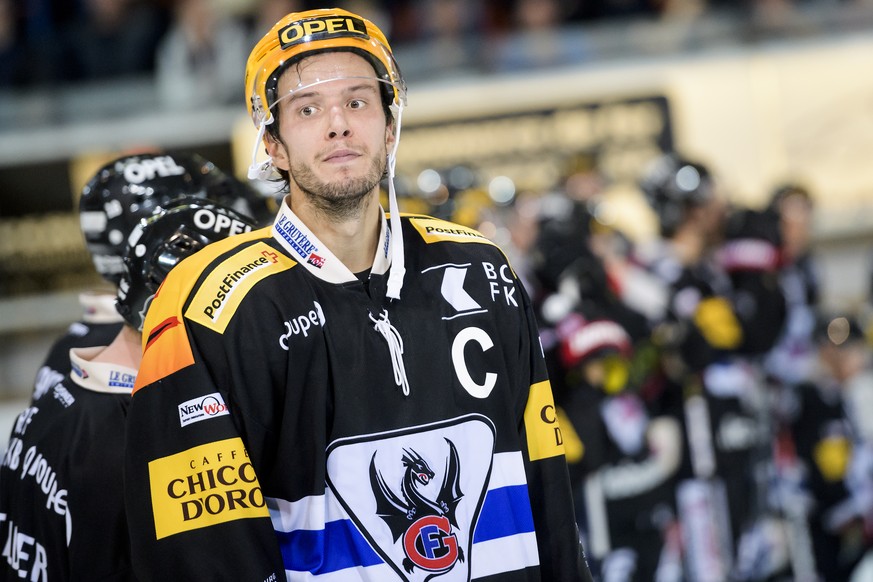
427, 488
424, 524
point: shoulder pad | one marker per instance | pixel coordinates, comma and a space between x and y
227, 283
165, 343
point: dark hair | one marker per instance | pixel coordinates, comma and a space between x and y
784, 191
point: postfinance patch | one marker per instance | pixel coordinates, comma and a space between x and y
544, 438
436, 230
219, 296
204, 486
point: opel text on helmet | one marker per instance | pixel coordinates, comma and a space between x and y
131, 188
160, 242
301, 34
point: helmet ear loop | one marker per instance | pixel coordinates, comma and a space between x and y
261, 170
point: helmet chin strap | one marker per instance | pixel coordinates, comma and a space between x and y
398, 268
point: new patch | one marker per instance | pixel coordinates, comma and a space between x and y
202, 408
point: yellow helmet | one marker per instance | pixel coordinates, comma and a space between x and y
301, 33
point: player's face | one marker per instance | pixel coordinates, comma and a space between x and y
712, 217
796, 221
334, 133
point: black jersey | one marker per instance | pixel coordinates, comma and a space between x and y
290, 421
100, 323
61, 504
826, 445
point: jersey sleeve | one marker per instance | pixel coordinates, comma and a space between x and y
560, 550
195, 506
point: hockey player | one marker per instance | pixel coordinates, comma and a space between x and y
115, 199
61, 506
793, 357
344, 396
623, 460
833, 438
722, 308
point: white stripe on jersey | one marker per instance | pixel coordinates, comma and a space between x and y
504, 555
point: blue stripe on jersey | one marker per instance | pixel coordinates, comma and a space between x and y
505, 512
304, 550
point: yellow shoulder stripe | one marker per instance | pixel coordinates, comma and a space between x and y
164, 340
218, 298
435, 230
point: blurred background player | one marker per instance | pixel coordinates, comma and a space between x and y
116, 198
721, 309
61, 508
793, 357
832, 434
623, 459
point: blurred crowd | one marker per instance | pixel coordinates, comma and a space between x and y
194, 43
717, 418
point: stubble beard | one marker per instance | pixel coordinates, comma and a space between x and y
342, 199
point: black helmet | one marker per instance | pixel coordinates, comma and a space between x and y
131, 188
242, 197
160, 242
672, 185
562, 241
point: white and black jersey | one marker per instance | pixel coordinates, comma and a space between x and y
61, 502
290, 421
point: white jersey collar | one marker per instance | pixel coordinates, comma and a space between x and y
99, 308
302, 244
100, 376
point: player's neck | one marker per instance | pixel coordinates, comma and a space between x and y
352, 239
124, 350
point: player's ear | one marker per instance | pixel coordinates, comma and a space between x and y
390, 136
277, 151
